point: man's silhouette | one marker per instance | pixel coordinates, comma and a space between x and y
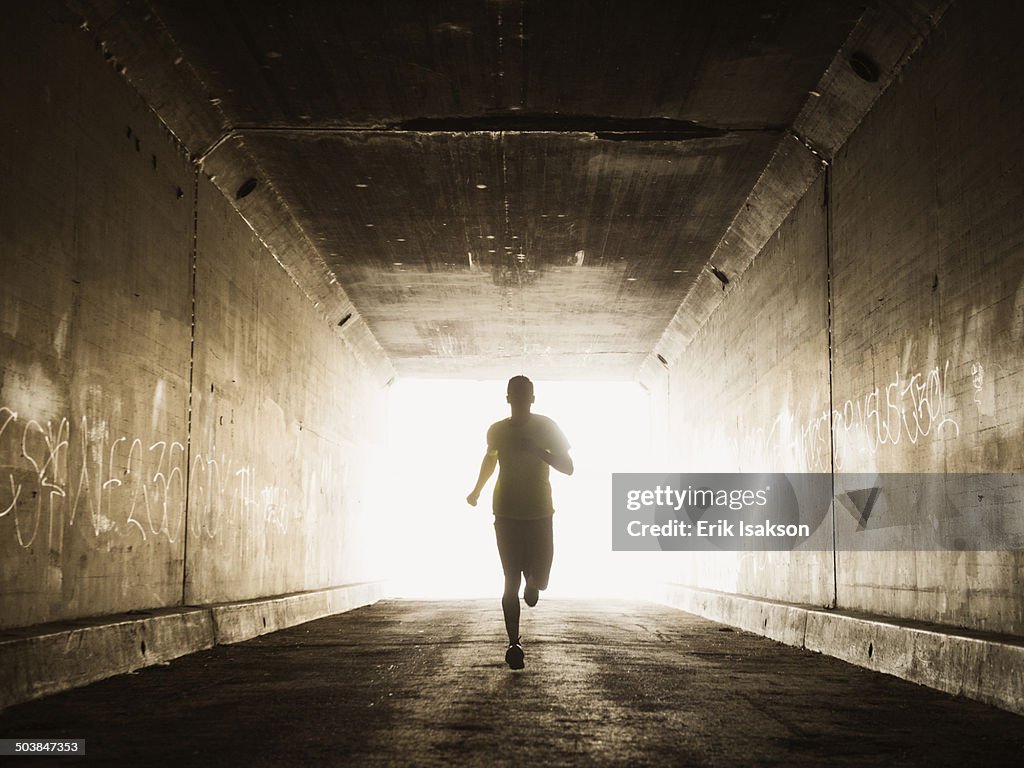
522, 447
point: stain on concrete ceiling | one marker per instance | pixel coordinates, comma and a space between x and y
496, 186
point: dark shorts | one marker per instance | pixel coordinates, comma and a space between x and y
527, 547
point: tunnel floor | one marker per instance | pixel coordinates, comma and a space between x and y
425, 683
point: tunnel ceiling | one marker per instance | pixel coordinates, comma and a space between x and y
496, 186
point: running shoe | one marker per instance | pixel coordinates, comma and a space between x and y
514, 656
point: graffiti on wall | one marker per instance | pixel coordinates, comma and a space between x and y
119, 485
222, 489
56, 475
911, 408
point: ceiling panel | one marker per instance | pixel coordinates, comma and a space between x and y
470, 245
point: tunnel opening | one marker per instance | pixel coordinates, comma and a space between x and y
436, 546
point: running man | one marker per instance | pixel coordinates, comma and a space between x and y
522, 447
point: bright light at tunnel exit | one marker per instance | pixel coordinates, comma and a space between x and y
437, 546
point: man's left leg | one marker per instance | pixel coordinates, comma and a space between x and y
511, 550
510, 606
540, 554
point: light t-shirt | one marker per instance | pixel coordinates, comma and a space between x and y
523, 489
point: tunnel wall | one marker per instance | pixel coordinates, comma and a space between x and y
926, 283
110, 500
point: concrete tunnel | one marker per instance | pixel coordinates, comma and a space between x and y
266, 268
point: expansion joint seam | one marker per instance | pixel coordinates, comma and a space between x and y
193, 258
831, 359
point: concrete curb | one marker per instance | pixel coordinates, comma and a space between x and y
45, 659
235, 622
985, 667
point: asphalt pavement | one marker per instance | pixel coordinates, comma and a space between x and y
425, 683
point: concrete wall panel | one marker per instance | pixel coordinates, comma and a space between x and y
929, 310
95, 232
284, 424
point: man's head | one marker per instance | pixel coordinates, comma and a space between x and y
520, 391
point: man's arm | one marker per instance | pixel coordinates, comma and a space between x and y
487, 466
